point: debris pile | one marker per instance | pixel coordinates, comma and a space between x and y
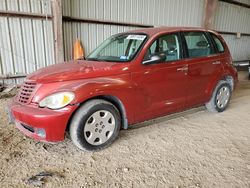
41, 178
8, 91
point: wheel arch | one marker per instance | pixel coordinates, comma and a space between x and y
228, 78
112, 99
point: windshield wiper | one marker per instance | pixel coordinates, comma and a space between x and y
96, 59
93, 59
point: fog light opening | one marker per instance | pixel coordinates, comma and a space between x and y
41, 132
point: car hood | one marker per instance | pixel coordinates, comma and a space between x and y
74, 70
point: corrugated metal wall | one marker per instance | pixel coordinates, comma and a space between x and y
239, 48
153, 12
156, 12
26, 44
233, 18
228, 17
91, 35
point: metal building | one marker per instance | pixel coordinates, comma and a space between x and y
26, 37
38, 33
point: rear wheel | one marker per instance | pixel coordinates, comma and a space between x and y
95, 125
220, 98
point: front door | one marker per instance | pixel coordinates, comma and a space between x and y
162, 85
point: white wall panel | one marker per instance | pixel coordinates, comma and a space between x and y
153, 12
25, 44
34, 6
91, 35
232, 18
239, 48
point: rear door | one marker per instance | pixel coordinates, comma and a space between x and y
204, 66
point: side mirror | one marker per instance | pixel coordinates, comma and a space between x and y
155, 59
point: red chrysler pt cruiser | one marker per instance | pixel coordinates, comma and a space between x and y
131, 77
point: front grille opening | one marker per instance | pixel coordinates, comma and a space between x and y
26, 92
28, 127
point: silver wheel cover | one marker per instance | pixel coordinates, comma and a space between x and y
99, 127
222, 97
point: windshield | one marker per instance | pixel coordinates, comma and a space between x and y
118, 48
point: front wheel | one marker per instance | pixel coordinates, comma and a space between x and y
95, 125
220, 97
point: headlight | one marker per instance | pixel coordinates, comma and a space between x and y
57, 100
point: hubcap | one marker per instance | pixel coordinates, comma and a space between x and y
99, 127
223, 97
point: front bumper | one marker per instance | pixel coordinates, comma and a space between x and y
31, 120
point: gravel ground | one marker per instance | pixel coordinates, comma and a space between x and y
191, 149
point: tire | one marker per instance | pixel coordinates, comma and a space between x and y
95, 125
219, 101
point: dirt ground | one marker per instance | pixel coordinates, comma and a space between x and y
191, 149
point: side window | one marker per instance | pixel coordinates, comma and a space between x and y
167, 44
218, 43
197, 43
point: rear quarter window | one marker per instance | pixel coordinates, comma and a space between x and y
218, 43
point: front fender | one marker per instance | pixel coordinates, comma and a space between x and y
119, 87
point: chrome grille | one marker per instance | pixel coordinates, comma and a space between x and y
26, 91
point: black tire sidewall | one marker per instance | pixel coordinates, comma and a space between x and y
216, 93
83, 117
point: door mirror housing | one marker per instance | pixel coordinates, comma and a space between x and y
155, 59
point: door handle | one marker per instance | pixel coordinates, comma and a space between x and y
184, 69
216, 63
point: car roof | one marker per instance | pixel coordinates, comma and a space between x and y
158, 30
